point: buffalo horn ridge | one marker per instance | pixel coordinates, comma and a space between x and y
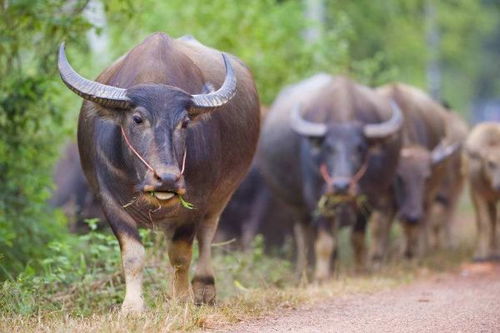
387, 128
221, 96
304, 127
441, 152
104, 95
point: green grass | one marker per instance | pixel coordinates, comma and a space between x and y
81, 286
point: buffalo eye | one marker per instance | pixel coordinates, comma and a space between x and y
185, 123
316, 142
137, 119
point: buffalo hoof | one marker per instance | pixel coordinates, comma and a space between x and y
132, 307
204, 290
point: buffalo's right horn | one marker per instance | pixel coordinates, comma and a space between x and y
107, 96
391, 126
442, 152
304, 127
221, 96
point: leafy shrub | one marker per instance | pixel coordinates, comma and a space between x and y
31, 125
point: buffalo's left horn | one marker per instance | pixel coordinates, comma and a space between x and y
442, 152
107, 96
304, 127
391, 126
221, 96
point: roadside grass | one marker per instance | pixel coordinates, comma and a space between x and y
81, 286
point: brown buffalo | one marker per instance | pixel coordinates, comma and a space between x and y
162, 148
329, 144
483, 173
425, 152
445, 204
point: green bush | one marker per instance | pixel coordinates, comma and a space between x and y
31, 125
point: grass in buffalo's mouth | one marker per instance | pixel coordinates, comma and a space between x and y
185, 203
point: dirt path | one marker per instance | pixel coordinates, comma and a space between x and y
468, 301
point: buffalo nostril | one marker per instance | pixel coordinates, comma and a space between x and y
412, 218
168, 178
340, 186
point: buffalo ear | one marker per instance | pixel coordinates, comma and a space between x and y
106, 112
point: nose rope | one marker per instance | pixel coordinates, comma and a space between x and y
144, 161
352, 181
184, 161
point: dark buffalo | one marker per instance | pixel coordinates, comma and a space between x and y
72, 193
327, 143
422, 164
162, 149
254, 210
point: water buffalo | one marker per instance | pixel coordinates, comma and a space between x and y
254, 210
72, 193
162, 148
483, 172
443, 208
328, 143
421, 167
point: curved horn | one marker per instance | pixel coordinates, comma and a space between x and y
221, 96
391, 126
442, 152
304, 127
107, 96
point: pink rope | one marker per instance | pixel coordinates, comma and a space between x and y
183, 162
137, 154
144, 161
356, 178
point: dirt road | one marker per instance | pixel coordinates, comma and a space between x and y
466, 301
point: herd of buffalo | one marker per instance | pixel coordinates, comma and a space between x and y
172, 129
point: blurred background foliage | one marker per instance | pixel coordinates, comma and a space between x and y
374, 41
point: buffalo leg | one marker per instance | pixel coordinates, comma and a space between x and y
203, 281
300, 231
412, 233
437, 223
380, 227
324, 247
250, 228
132, 253
358, 241
484, 221
180, 251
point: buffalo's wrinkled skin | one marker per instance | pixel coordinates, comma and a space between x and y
160, 123
291, 162
426, 150
482, 152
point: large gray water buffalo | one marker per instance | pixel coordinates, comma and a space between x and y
422, 164
162, 148
328, 143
